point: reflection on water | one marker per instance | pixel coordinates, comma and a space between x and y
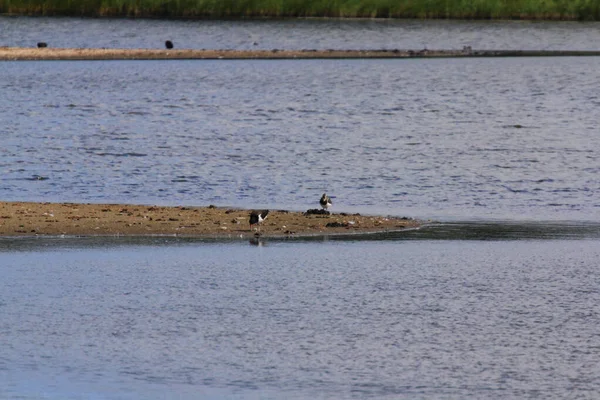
449, 231
508, 230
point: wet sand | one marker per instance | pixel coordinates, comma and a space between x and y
31, 219
48, 53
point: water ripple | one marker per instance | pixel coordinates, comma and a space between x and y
260, 141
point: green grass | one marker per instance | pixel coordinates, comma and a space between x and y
455, 9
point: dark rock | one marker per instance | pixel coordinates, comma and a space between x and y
42, 45
316, 211
337, 225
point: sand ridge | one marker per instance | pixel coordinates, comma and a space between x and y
49, 53
35, 219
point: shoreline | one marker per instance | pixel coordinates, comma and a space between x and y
264, 10
34, 219
77, 54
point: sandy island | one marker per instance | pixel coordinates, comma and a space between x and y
31, 219
49, 53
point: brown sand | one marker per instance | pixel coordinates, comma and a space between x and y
24, 53
30, 219
49, 53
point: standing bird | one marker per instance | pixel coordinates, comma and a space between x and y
325, 201
169, 44
256, 218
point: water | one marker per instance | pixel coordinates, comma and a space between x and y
509, 138
403, 319
300, 34
497, 300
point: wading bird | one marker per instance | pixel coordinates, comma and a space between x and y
325, 201
257, 217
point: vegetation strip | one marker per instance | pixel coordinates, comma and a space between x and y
34, 219
48, 53
457, 9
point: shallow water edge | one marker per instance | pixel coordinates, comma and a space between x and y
438, 231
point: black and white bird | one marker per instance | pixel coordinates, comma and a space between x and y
257, 217
325, 201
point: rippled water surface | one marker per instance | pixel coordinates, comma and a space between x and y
508, 138
497, 300
300, 34
351, 319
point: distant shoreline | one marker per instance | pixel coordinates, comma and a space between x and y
26, 219
49, 53
582, 10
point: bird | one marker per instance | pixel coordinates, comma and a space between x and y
325, 201
169, 44
257, 217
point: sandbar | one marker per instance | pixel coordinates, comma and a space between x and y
49, 53
74, 219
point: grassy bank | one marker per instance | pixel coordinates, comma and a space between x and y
454, 9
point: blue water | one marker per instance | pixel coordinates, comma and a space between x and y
299, 34
496, 300
352, 319
453, 139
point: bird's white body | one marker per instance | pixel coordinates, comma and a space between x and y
325, 201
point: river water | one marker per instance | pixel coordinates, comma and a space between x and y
508, 138
498, 300
91, 319
300, 34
